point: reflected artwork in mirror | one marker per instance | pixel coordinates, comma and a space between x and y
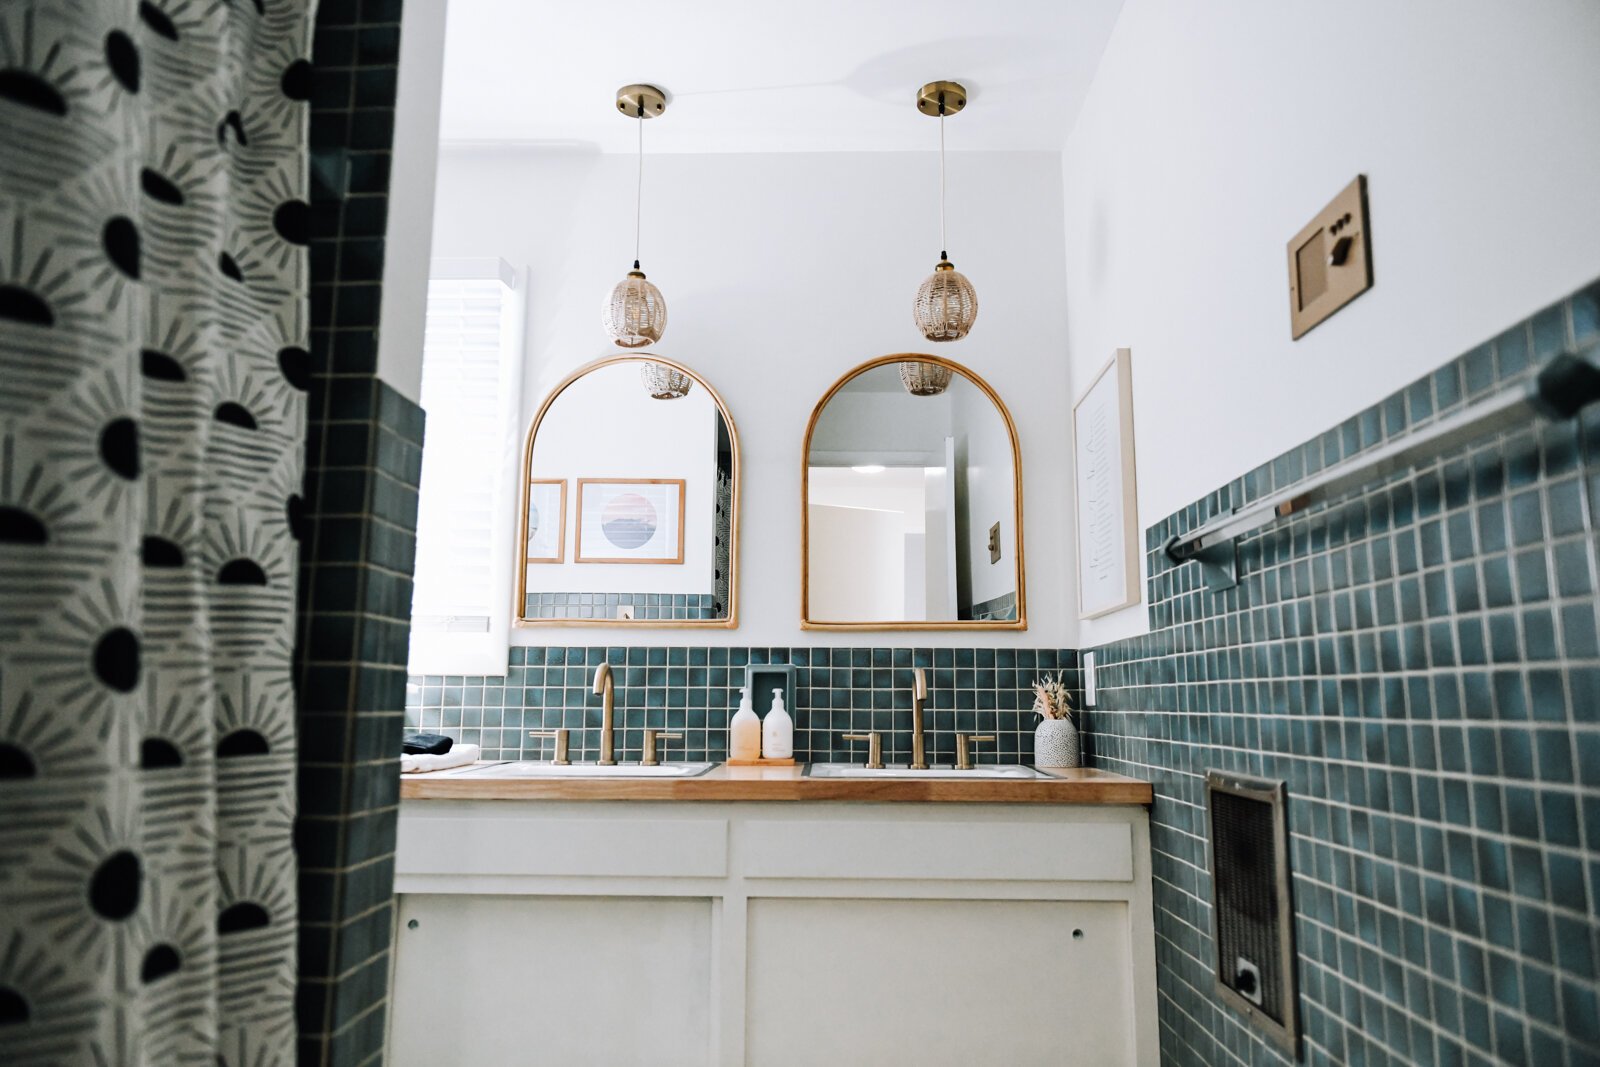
912, 502
630, 479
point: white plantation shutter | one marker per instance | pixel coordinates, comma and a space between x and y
470, 371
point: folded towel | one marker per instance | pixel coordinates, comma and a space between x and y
425, 744
458, 756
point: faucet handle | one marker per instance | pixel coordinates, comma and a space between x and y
874, 742
650, 739
560, 734
964, 753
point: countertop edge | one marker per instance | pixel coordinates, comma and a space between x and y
1076, 786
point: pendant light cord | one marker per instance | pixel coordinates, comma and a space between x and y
943, 247
638, 190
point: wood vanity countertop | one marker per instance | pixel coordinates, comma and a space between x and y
1078, 785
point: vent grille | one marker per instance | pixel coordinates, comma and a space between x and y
1252, 916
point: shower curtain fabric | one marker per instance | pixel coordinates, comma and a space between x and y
153, 368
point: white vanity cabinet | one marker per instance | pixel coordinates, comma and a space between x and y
672, 932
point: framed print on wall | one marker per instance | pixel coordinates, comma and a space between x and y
547, 520
630, 520
1107, 506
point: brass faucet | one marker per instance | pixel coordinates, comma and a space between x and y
562, 757
604, 688
874, 742
919, 693
964, 743
651, 737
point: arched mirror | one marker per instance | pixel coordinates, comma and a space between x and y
630, 509
912, 494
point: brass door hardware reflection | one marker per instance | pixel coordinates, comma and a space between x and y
1330, 261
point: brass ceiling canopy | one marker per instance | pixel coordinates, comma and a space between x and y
642, 101
953, 95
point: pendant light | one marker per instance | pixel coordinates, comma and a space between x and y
635, 314
664, 381
924, 379
946, 303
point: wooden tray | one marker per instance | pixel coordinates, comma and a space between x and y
761, 762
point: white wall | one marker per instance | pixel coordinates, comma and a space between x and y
403, 313
1210, 137
781, 272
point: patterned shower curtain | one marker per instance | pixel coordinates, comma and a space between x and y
153, 367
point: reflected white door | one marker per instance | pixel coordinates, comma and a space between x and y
857, 564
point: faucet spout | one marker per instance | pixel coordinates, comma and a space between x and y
605, 688
919, 694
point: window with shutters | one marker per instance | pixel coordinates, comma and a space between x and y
471, 378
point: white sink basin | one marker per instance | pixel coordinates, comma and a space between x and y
532, 769
983, 770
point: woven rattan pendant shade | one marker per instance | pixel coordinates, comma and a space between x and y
946, 304
663, 382
924, 379
635, 314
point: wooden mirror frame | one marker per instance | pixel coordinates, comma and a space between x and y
808, 623
520, 594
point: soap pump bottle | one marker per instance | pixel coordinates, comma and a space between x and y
777, 730
744, 732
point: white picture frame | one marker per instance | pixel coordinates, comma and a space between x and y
1106, 500
648, 527
547, 537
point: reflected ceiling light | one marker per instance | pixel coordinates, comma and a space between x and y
869, 468
664, 381
635, 314
924, 379
946, 303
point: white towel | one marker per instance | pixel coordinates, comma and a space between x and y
458, 756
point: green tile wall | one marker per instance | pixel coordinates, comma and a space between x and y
363, 458
696, 690
1420, 663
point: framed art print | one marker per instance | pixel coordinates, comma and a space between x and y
1108, 519
547, 520
630, 520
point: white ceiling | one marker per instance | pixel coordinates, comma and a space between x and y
756, 76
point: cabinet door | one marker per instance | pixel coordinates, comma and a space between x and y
514, 981
938, 982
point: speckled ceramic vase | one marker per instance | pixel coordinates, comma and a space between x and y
1055, 743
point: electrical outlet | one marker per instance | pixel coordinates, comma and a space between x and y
1088, 680
994, 543
624, 611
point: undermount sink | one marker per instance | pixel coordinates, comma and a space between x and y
534, 769
984, 770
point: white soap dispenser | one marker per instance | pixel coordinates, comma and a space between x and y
744, 732
777, 730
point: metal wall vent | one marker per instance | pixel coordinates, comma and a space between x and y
1252, 916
